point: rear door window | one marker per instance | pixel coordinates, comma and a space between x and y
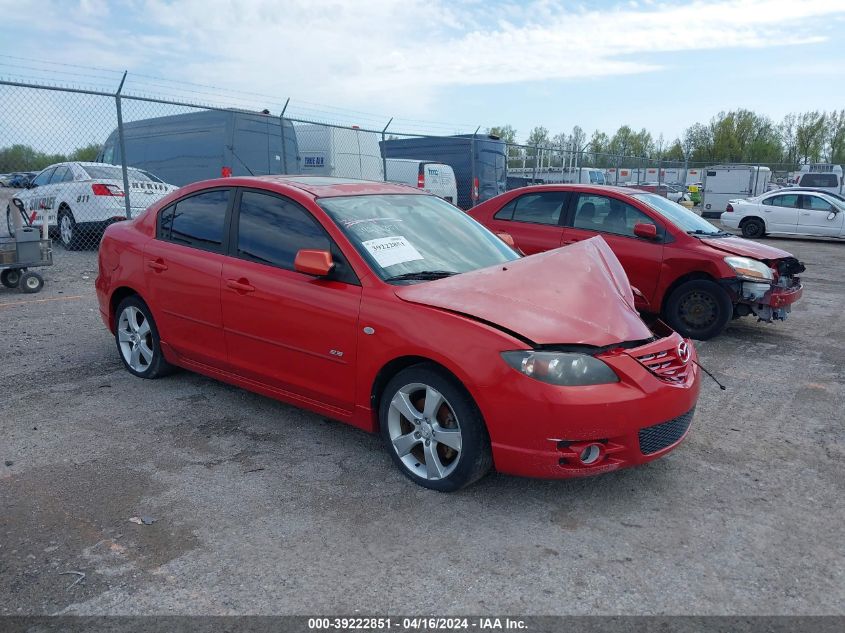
790, 201
537, 208
197, 221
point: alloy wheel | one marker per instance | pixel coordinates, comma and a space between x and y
424, 431
135, 338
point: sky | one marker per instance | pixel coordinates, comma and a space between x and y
444, 66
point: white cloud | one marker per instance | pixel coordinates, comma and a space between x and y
388, 55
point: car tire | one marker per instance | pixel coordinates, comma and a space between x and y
137, 339
31, 282
753, 228
69, 234
10, 277
9, 227
445, 446
698, 309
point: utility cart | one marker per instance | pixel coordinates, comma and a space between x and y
21, 252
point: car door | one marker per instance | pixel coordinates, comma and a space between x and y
183, 266
819, 217
37, 197
533, 219
781, 213
594, 214
286, 329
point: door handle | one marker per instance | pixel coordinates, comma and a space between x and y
571, 241
240, 285
157, 265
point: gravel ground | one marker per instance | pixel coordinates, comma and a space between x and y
261, 508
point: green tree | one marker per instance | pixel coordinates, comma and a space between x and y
810, 136
86, 154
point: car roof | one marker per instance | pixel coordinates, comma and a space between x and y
627, 191
325, 186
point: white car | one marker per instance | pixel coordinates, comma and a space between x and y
436, 178
787, 212
82, 199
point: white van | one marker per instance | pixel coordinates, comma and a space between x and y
820, 176
435, 178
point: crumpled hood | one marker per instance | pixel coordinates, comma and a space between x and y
745, 248
577, 294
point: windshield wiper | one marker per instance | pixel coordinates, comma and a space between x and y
708, 234
425, 275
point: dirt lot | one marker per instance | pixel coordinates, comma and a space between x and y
262, 508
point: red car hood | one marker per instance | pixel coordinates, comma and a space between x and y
745, 248
577, 294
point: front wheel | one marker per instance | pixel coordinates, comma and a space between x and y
31, 282
433, 430
698, 309
137, 339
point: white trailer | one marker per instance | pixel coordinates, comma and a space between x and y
344, 152
561, 175
727, 182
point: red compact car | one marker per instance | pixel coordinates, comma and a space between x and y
695, 276
392, 310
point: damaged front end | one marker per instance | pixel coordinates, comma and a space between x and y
767, 299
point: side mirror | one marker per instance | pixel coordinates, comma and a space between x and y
507, 238
831, 215
311, 262
646, 231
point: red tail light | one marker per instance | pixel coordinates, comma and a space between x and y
106, 190
420, 181
225, 172
475, 188
729, 209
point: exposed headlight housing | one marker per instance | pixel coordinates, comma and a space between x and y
750, 269
569, 369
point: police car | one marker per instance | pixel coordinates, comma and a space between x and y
82, 199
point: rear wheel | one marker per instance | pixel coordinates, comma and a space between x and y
68, 230
698, 309
137, 339
10, 277
753, 228
433, 430
31, 282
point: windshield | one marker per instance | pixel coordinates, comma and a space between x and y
105, 172
414, 236
681, 217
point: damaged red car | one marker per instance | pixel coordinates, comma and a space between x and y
392, 310
695, 276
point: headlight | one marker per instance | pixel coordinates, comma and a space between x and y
561, 368
750, 269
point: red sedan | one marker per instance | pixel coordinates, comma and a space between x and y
695, 276
390, 309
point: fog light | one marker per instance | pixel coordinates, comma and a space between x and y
590, 454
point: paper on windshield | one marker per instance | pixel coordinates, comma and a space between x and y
389, 251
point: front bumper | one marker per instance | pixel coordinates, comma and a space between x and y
540, 430
769, 302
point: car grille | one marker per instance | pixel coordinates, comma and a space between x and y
659, 436
666, 364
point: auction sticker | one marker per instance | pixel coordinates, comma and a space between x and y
389, 251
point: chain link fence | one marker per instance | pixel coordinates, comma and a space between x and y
83, 159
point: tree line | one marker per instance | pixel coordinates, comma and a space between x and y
24, 158
738, 136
